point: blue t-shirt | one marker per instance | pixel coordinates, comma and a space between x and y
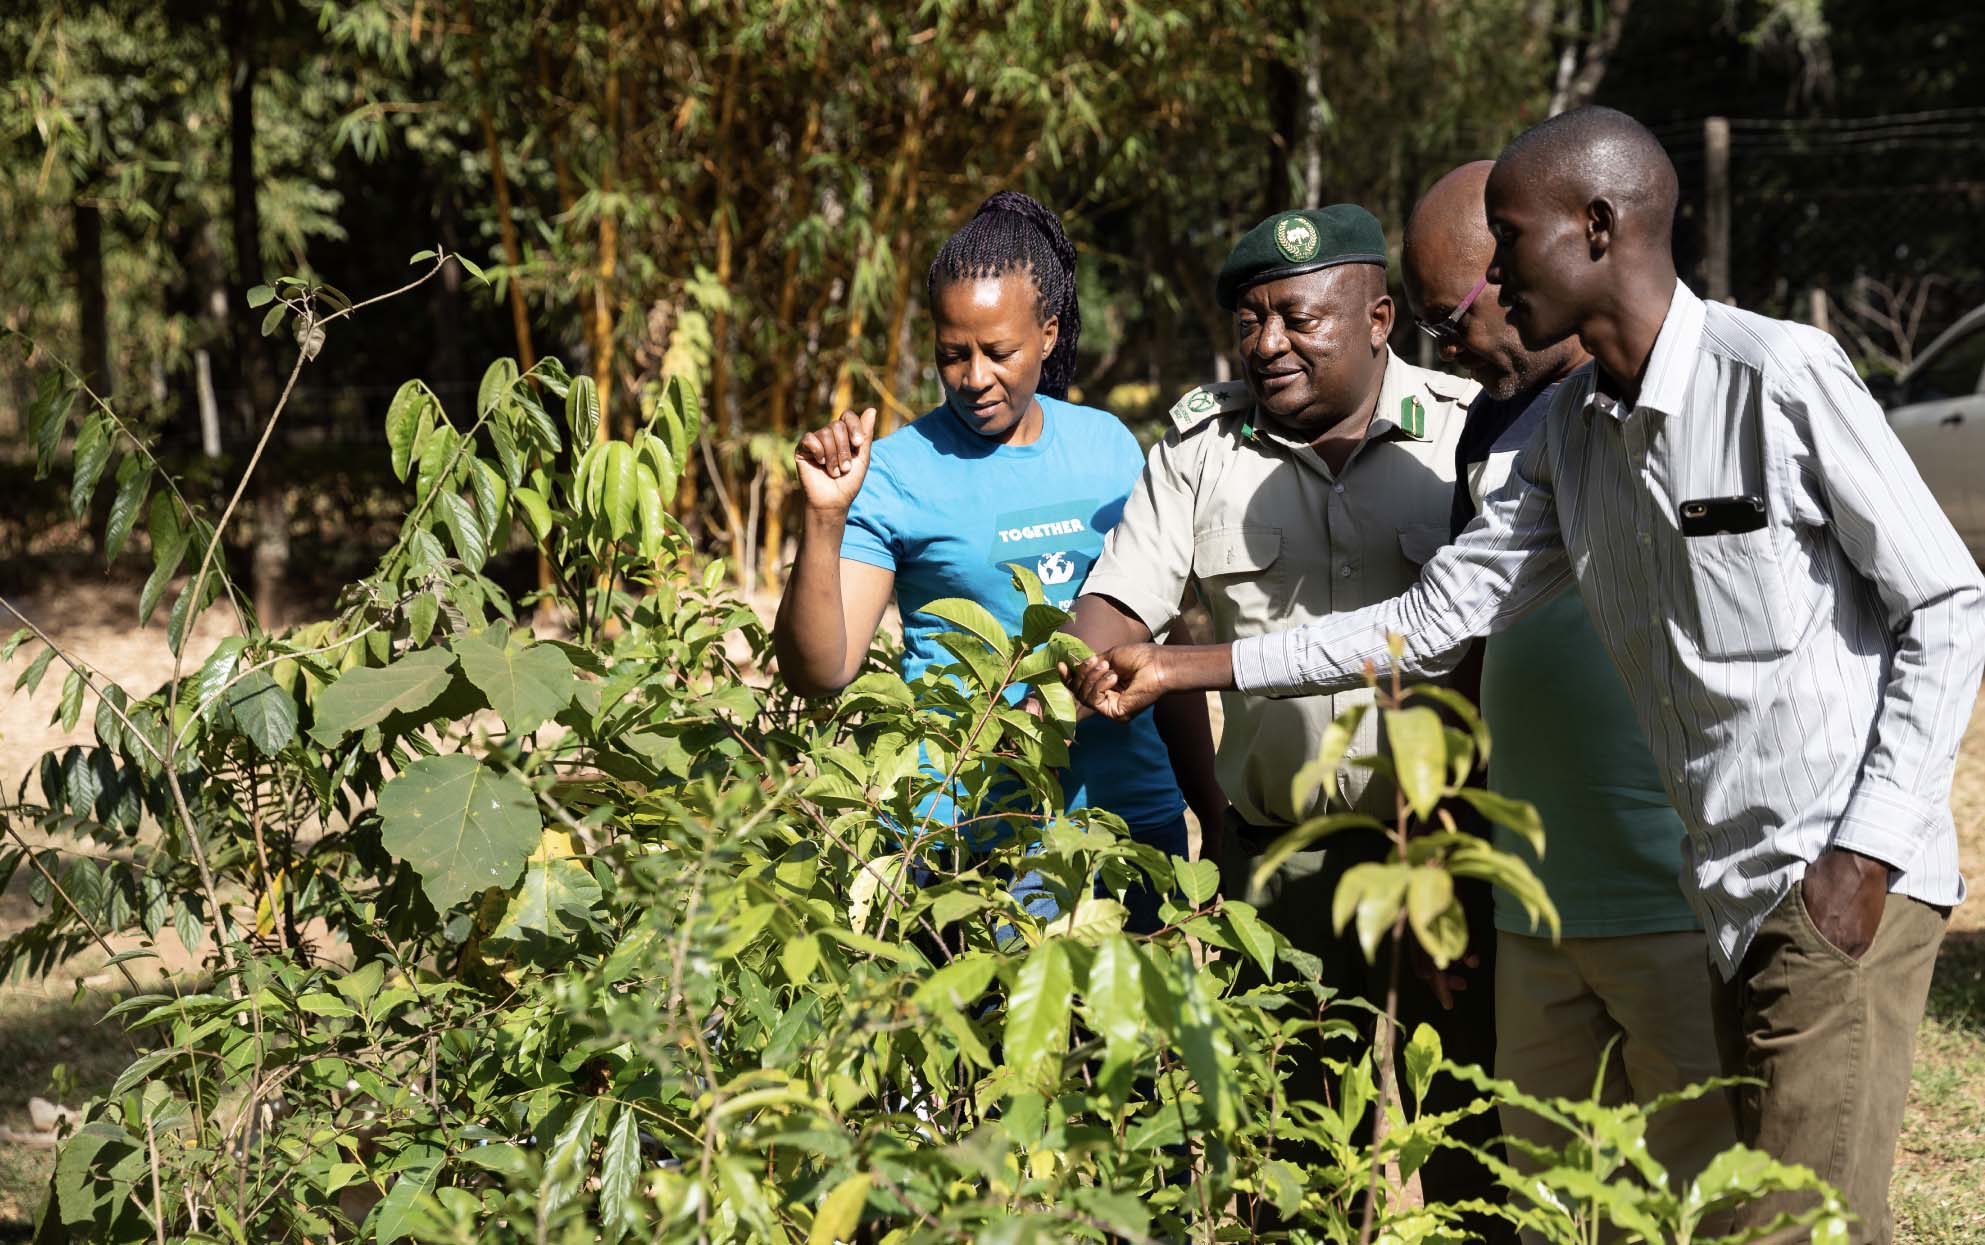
947, 509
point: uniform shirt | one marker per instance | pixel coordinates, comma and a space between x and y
1803, 685
1566, 738
1271, 538
948, 510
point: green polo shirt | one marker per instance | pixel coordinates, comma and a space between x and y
1567, 740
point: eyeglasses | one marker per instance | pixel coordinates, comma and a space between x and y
1447, 332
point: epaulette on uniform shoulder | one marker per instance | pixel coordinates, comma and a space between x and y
1203, 403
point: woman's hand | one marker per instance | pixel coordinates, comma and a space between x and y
833, 461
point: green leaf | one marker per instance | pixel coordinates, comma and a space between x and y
260, 295
71, 707
474, 269
582, 410
262, 711
1419, 756
1435, 916
463, 826
1037, 1009
168, 551
974, 618
840, 1211
620, 1172
92, 452
1302, 836
393, 1218
618, 484
274, 320
418, 256
1253, 934
1199, 880
366, 696
1113, 1003
1520, 816
30, 678
526, 685
1321, 771
422, 613
492, 494
552, 907
957, 985
403, 420
48, 417
463, 530
537, 515
495, 387
1422, 1056
134, 481
566, 1168
1373, 893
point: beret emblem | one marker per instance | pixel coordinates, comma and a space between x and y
1296, 238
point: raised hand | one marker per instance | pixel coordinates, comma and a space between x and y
833, 461
1121, 682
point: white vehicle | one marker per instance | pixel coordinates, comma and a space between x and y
1937, 409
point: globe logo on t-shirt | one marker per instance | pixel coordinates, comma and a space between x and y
1055, 568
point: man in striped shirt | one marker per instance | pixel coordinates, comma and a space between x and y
1796, 622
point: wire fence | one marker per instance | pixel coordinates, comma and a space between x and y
1867, 226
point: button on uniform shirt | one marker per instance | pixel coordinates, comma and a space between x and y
1271, 538
1803, 685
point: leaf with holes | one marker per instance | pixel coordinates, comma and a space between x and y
463, 826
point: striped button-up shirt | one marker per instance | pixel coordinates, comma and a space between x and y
1803, 686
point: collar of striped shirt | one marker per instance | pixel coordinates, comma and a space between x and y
1664, 385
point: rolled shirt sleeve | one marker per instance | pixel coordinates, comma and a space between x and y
1508, 561
1147, 557
1895, 534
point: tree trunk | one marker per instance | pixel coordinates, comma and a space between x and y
86, 262
255, 376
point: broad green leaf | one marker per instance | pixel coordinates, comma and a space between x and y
367, 696
618, 485
91, 453
260, 295
394, 1216
1519, 816
1302, 836
1093, 918
492, 495
1429, 893
1209, 1054
620, 1172
71, 707
1037, 1009
1199, 880
168, 550
1321, 771
422, 613
840, 1212
134, 481
496, 382
1419, 756
464, 530
1422, 1056
30, 678
1374, 894
463, 826
957, 985
582, 410
263, 712
48, 417
527, 685
554, 903
536, 513
403, 420
974, 618
1253, 934
1113, 1004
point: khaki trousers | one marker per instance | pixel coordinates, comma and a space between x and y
1558, 1007
1832, 1039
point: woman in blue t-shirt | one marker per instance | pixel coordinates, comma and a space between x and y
1003, 471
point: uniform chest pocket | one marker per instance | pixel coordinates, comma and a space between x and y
1244, 550
1738, 590
1421, 541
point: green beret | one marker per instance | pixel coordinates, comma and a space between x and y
1289, 244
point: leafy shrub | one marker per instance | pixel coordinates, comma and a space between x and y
597, 939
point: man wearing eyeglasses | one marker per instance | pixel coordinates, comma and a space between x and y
1632, 965
1316, 484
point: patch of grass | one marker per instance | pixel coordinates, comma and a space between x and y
40, 1031
1941, 1163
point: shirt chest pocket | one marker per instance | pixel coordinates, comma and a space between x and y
1239, 568
1738, 590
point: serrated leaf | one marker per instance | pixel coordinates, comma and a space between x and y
134, 482
463, 826
366, 696
527, 685
974, 618
464, 530
262, 711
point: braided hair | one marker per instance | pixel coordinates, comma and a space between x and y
1012, 232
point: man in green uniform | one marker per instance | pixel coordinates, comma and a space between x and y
1632, 965
1318, 483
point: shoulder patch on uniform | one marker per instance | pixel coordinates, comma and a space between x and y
1203, 403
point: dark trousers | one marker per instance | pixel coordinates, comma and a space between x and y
1297, 901
1831, 1039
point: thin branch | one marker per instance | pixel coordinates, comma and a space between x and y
48, 877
